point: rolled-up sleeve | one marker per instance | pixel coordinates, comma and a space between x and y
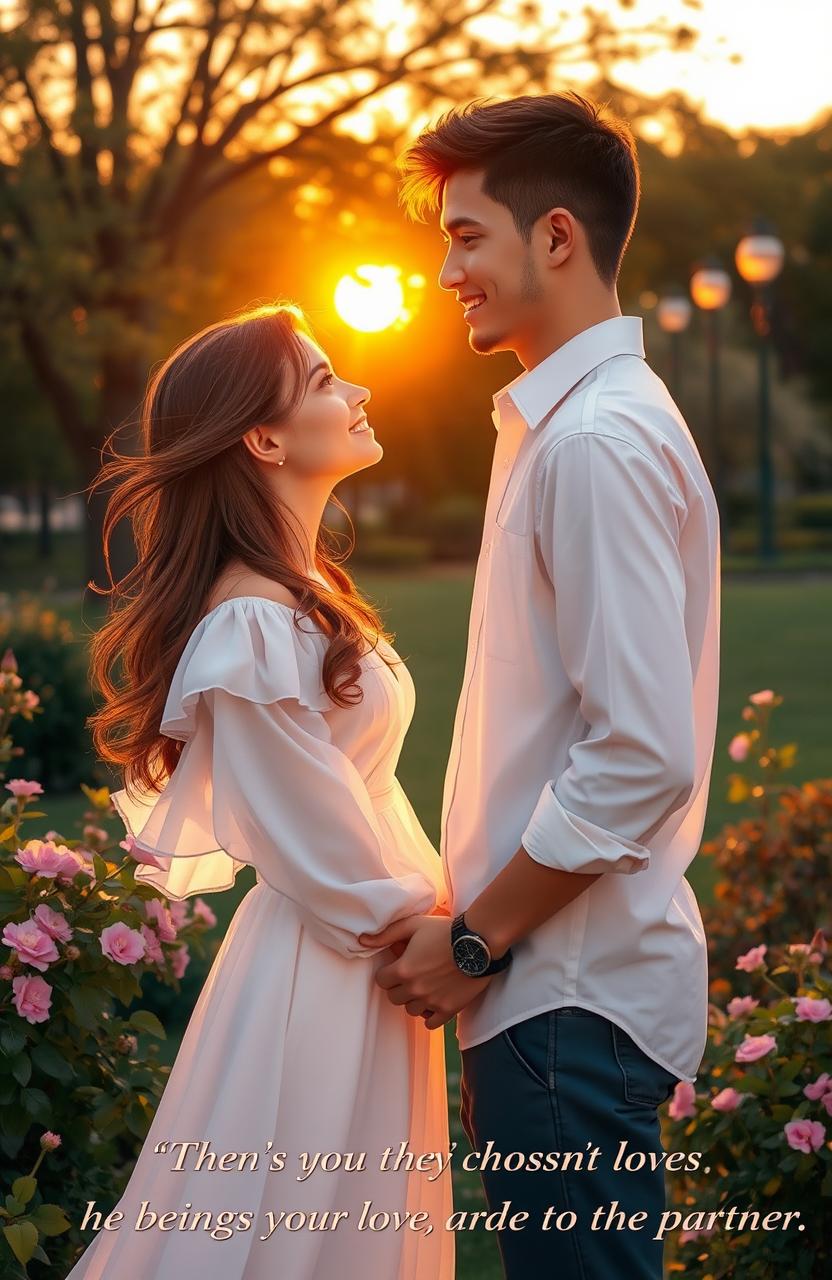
607, 529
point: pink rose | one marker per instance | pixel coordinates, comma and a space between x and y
32, 998
30, 699
122, 944
685, 1237
53, 861
727, 1100
32, 945
53, 923
153, 947
179, 960
203, 912
753, 959
140, 855
178, 913
683, 1102
762, 699
50, 1141
740, 1005
20, 787
95, 833
739, 747
805, 1135
755, 1047
804, 949
809, 1010
818, 1087
827, 1102
158, 914
6, 972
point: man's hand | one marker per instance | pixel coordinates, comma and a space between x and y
424, 977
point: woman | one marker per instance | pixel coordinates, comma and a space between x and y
259, 716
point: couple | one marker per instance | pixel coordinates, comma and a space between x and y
261, 691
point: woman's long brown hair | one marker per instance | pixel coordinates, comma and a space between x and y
198, 500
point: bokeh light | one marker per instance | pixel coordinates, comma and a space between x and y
371, 298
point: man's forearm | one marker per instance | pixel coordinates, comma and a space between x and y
521, 897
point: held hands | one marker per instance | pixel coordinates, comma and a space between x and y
423, 976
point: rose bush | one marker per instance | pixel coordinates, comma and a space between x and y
79, 1069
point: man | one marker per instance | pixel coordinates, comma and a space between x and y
578, 778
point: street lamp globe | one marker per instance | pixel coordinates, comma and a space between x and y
674, 312
710, 287
759, 258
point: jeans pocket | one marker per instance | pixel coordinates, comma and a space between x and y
645, 1082
528, 1041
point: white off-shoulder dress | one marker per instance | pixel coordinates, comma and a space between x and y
292, 1047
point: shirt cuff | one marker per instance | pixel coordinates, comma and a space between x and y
563, 840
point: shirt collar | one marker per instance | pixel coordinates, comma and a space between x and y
536, 392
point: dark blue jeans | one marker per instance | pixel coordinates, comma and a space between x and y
570, 1080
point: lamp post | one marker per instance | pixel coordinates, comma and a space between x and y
759, 259
674, 311
710, 288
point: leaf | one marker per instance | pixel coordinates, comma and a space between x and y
144, 1020
6, 882
12, 1039
37, 1104
100, 867
52, 1063
6, 833
50, 1219
772, 1185
22, 1068
88, 1004
14, 1206
23, 1240
24, 1188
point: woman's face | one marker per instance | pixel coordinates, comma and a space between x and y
328, 437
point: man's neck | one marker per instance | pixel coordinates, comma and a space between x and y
559, 329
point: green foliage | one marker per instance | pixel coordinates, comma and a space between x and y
79, 1070
55, 746
775, 868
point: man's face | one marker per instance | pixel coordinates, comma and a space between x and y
489, 265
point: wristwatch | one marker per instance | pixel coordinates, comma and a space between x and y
471, 952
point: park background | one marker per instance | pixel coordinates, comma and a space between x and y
166, 164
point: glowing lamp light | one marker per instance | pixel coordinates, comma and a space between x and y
371, 298
759, 258
710, 288
674, 313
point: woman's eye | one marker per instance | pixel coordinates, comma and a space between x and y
327, 379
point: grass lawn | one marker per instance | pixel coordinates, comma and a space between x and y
775, 634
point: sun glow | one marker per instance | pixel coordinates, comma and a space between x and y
371, 298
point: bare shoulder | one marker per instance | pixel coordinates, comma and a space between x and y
232, 584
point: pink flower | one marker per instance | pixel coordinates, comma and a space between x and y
819, 942
739, 746
683, 1102
810, 1010
686, 1237
755, 1047
179, 960
32, 945
50, 1141
30, 699
827, 1102
127, 1044
130, 846
178, 913
8, 662
153, 947
53, 923
819, 1087
740, 1005
158, 914
762, 699
20, 787
32, 998
5, 972
121, 943
753, 959
95, 833
203, 912
805, 949
805, 1135
727, 1100
53, 861
748, 713
72, 952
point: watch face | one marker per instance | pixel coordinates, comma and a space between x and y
470, 955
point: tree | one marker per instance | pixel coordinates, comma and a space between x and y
121, 118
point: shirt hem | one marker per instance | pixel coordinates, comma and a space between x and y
593, 1008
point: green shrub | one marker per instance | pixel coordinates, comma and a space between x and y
388, 551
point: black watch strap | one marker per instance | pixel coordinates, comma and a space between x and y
459, 926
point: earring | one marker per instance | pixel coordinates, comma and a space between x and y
280, 461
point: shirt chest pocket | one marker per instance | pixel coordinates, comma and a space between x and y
507, 615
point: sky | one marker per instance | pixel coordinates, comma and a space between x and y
783, 81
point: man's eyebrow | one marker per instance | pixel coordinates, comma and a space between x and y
322, 364
456, 223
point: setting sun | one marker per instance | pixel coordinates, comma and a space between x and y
371, 298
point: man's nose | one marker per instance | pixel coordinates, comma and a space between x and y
451, 276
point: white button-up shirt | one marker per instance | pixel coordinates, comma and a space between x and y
586, 723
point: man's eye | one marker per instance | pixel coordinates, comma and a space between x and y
467, 239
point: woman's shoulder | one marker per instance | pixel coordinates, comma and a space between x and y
254, 646
246, 584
